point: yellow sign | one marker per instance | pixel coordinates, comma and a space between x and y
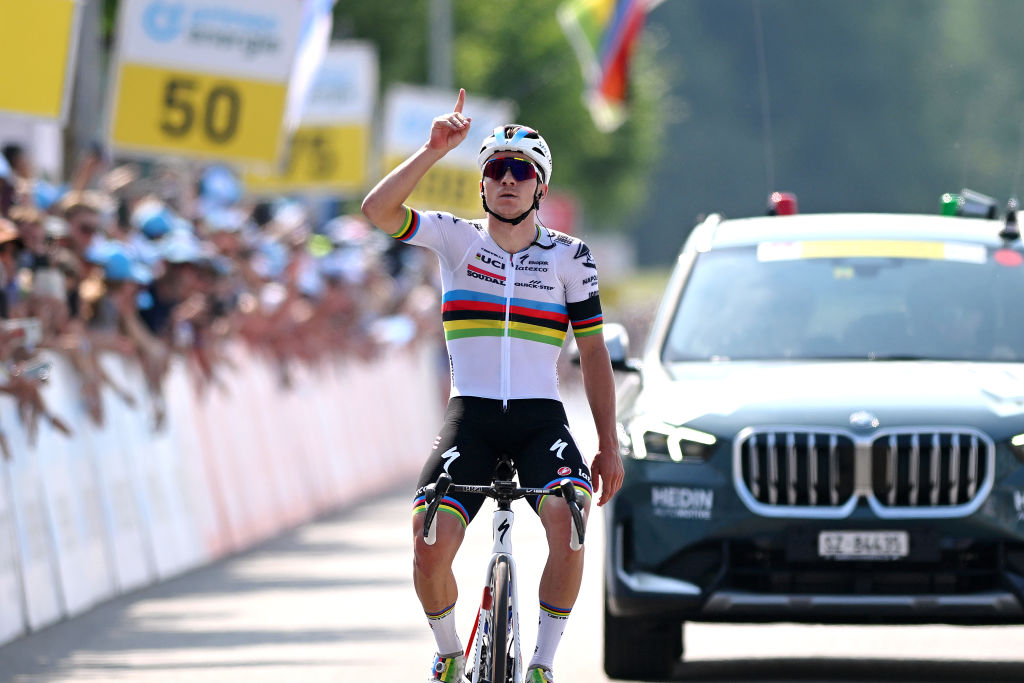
447, 188
36, 50
320, 158
183, 112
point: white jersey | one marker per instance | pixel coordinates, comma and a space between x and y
506, 315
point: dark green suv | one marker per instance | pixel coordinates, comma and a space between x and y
826, 425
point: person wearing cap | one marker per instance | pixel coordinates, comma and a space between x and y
124, 278
512, 289
6, 186
83, 215
11, 245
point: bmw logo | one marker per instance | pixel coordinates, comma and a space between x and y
862, 419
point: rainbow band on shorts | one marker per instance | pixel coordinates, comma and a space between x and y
449, 505
582, 486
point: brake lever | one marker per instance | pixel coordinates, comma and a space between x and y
433, 494
571, 496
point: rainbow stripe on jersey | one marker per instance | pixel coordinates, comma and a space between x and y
473, 314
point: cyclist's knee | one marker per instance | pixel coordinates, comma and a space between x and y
439, 555
557, 520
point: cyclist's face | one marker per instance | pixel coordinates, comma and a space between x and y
506, 195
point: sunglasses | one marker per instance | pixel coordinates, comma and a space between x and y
522, 169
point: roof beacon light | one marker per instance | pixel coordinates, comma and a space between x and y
782, 204
970, 204
948, 204
1010, 231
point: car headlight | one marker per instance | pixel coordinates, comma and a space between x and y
653, 440
1017, 446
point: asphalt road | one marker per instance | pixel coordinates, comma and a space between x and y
333, 601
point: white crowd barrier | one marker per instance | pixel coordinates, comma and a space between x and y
117, 507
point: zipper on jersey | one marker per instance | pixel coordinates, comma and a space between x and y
506, 340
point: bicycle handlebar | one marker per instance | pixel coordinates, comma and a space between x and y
503, 492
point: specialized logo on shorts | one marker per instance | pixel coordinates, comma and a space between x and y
558, 447
562, 471
450, 456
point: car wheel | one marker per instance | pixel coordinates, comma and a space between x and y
641, 648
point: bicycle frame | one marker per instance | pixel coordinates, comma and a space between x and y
502, 534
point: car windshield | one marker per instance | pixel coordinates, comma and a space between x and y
873, 300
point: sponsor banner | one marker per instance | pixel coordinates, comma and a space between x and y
32, 526
132, 549
250, 39
453, 184
38, 45
69, 484
329, 151
204, 78
203, 541
12, 612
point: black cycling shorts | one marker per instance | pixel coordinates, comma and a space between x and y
533, 432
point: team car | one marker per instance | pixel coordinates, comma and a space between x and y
826, 425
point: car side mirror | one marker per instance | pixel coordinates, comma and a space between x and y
616, 339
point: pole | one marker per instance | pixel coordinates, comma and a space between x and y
439, 44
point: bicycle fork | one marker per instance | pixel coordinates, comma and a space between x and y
502, 534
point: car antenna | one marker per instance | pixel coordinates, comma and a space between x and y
1015, 190
766, 114
1010, 231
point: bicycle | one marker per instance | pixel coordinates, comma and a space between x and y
495, 654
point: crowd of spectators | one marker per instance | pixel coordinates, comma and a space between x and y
154, 261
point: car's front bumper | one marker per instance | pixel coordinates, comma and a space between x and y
791, 596
696, 553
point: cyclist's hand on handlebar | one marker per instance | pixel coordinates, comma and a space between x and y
607, 473
449, 130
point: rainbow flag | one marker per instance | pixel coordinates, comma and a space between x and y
603, 34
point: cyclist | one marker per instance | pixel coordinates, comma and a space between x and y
511, 290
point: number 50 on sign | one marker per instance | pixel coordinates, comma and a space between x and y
196, 114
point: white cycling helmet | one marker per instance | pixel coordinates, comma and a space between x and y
521, 139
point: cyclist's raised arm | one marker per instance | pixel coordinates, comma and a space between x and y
384, 205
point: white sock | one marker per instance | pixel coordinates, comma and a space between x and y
442, 623
549, 633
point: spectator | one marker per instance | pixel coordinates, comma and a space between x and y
11, 299
82, 211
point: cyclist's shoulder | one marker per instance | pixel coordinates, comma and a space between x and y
565, 246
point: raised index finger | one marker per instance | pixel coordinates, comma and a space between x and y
461, 101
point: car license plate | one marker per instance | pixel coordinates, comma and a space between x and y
863, 545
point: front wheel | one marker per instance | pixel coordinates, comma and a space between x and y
501, 587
